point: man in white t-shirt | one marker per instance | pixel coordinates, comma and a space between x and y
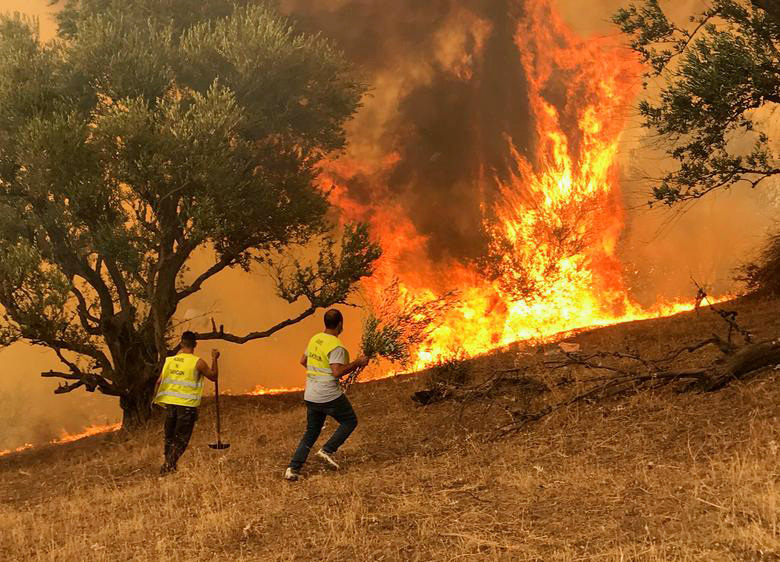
326, 361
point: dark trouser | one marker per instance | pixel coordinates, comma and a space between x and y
342, 411
179, 424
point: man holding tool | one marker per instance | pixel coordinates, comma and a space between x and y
180, 390
326, 361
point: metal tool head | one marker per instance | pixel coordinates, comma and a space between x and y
219, 445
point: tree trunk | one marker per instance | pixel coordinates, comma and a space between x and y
746, 360
771, 7
136, 404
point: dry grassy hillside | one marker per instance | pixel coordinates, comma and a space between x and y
653, 476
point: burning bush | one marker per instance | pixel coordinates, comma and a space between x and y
451, 372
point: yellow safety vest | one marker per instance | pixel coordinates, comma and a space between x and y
320, 346
181, 384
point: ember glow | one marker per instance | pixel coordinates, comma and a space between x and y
553, 230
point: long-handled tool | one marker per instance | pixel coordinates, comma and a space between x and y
219, 444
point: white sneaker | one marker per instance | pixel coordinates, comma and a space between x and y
328, 459
291, 475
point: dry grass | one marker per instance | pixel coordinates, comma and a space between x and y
651, 477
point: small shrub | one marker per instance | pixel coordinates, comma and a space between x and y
450, 372
763, 275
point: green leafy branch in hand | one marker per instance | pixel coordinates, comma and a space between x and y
399, 324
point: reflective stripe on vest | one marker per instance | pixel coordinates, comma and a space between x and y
176, 394
320, 346
181, 384
317, 370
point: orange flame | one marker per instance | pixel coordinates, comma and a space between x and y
552, 265
260, 390
66, 437
24, 447
554, 230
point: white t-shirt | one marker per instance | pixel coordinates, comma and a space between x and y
325, 389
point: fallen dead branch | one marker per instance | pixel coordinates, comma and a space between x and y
612, 374
626, 372
500, 383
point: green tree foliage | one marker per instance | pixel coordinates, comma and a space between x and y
718, 74
146, 132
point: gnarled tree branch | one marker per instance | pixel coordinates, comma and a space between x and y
90, 381
90, 324
195, 286
232, 338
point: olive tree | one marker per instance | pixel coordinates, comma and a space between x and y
719, 76
146, 132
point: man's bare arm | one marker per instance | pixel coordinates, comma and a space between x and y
303, 360
211, 373
340, 370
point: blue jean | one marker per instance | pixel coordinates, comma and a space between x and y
341, 410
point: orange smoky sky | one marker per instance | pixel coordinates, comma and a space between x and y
37, 8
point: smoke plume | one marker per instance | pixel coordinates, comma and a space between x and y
449, 92
450, 104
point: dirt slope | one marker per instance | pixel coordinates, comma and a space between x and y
661, 476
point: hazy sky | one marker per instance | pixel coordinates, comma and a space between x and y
39, 8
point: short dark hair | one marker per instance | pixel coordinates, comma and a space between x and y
333, 318
189, 339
